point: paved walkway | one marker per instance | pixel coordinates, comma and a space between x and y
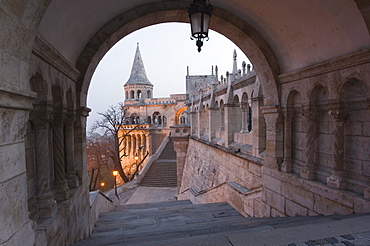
151, 194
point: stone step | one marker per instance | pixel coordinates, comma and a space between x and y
163, 172
183, 223
140, 223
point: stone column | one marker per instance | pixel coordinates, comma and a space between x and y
230, 124
80, 144
309, 171
213, 122
274, 137
46, 204
287, 165
336, 180
259, 132
60, 183
180, 138
70, 150
244, 118
222, 118
199, 115
193, 122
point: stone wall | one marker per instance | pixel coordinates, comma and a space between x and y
209, 167
289, 195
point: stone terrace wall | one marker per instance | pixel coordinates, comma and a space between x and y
208, 165
285, 194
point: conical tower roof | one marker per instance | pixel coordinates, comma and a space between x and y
138, 74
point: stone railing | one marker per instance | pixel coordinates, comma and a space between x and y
239, 197
100, 203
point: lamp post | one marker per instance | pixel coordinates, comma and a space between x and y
115, 173
200, 14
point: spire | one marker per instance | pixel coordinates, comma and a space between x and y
138, 74
235, 67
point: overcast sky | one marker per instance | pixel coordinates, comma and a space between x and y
166, 50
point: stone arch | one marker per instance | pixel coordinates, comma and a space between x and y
239, 31
297, 134
157, 119
354, 103
323, 144
236, 120
178, 114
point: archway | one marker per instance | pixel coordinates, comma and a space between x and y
237, 30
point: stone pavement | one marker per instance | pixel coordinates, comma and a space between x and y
151, 194
181, 223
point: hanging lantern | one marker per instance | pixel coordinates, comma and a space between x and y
200, 14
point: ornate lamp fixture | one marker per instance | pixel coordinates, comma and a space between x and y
200, 14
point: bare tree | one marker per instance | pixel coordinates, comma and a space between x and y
99, 165
111, 122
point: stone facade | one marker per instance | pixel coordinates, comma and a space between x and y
148, 119
320, 164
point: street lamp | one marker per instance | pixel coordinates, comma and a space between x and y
200, 14
115, 173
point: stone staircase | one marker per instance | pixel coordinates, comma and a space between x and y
163, 172
183, 223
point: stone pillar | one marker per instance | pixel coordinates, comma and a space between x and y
287, 165
180, 138
193, 123
230, 124
259, 132
80, 144
274, 137
70, 150
213, 122
46, 204
222, 118
244, 118
61, 189
336, 180
308, 171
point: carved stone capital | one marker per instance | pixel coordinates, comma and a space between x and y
70, 119
338, 115
41, 120
309, 113
58, 119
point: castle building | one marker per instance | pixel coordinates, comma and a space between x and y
148, 119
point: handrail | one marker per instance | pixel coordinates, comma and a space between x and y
232, 184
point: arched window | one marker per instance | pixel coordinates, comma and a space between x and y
157, 120
132, 96
149, 94
139, 94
